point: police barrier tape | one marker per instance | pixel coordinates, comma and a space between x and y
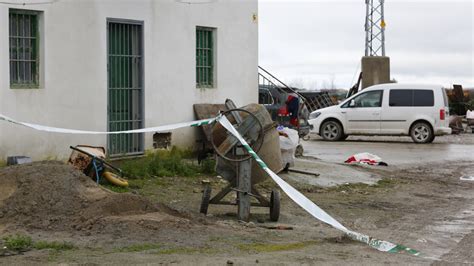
311, 207
294, 194
84, 132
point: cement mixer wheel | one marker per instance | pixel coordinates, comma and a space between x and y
275, 205
206, 197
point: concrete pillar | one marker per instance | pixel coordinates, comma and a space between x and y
375, 70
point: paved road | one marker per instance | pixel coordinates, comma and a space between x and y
394, 151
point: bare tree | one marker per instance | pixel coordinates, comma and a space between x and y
313, 85
332, 80
296, 83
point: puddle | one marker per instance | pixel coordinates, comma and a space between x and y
392, 153
467, 178
443, 236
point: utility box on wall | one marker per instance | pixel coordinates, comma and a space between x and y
375, 70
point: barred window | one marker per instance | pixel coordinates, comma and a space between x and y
204, 57
24, 58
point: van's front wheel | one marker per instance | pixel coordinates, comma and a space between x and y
332, 131
421, 132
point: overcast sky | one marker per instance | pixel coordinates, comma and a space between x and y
313, 42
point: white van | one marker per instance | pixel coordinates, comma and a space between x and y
419, 111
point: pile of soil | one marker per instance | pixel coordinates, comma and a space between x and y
53, 196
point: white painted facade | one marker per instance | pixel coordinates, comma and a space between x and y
73, 69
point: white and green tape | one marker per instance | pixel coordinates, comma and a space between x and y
84, 132
294, 194
311, 207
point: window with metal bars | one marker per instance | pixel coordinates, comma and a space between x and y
204, 57
24, 52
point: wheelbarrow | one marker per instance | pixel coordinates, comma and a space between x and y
91, 161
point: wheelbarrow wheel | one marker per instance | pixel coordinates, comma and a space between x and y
299, 150
275, 205
206, 197
115, 179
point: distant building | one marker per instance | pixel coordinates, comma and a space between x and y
116, 65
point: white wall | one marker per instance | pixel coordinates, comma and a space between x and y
74, 60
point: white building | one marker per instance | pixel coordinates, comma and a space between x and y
119, 64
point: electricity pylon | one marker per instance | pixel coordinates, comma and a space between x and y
375, 28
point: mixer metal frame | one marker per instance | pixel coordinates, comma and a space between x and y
242, 183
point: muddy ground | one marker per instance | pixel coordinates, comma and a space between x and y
395, 150
423, 206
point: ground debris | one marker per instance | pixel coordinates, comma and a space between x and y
277, 227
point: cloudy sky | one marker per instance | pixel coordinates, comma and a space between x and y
314, 43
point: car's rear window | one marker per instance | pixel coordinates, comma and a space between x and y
404, 98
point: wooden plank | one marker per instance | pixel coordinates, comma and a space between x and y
205, 111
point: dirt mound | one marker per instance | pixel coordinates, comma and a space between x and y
55, 196
7, 188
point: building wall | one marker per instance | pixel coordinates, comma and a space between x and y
73, 91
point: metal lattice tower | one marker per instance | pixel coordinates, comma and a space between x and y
375, 28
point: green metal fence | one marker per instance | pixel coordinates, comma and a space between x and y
125, 87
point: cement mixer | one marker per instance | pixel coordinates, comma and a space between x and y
235, 164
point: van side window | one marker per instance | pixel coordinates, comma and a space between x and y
368, 99
408, 98
423, 98
400, 98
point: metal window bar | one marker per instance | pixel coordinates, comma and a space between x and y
125, 88
204, 58
23, 41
